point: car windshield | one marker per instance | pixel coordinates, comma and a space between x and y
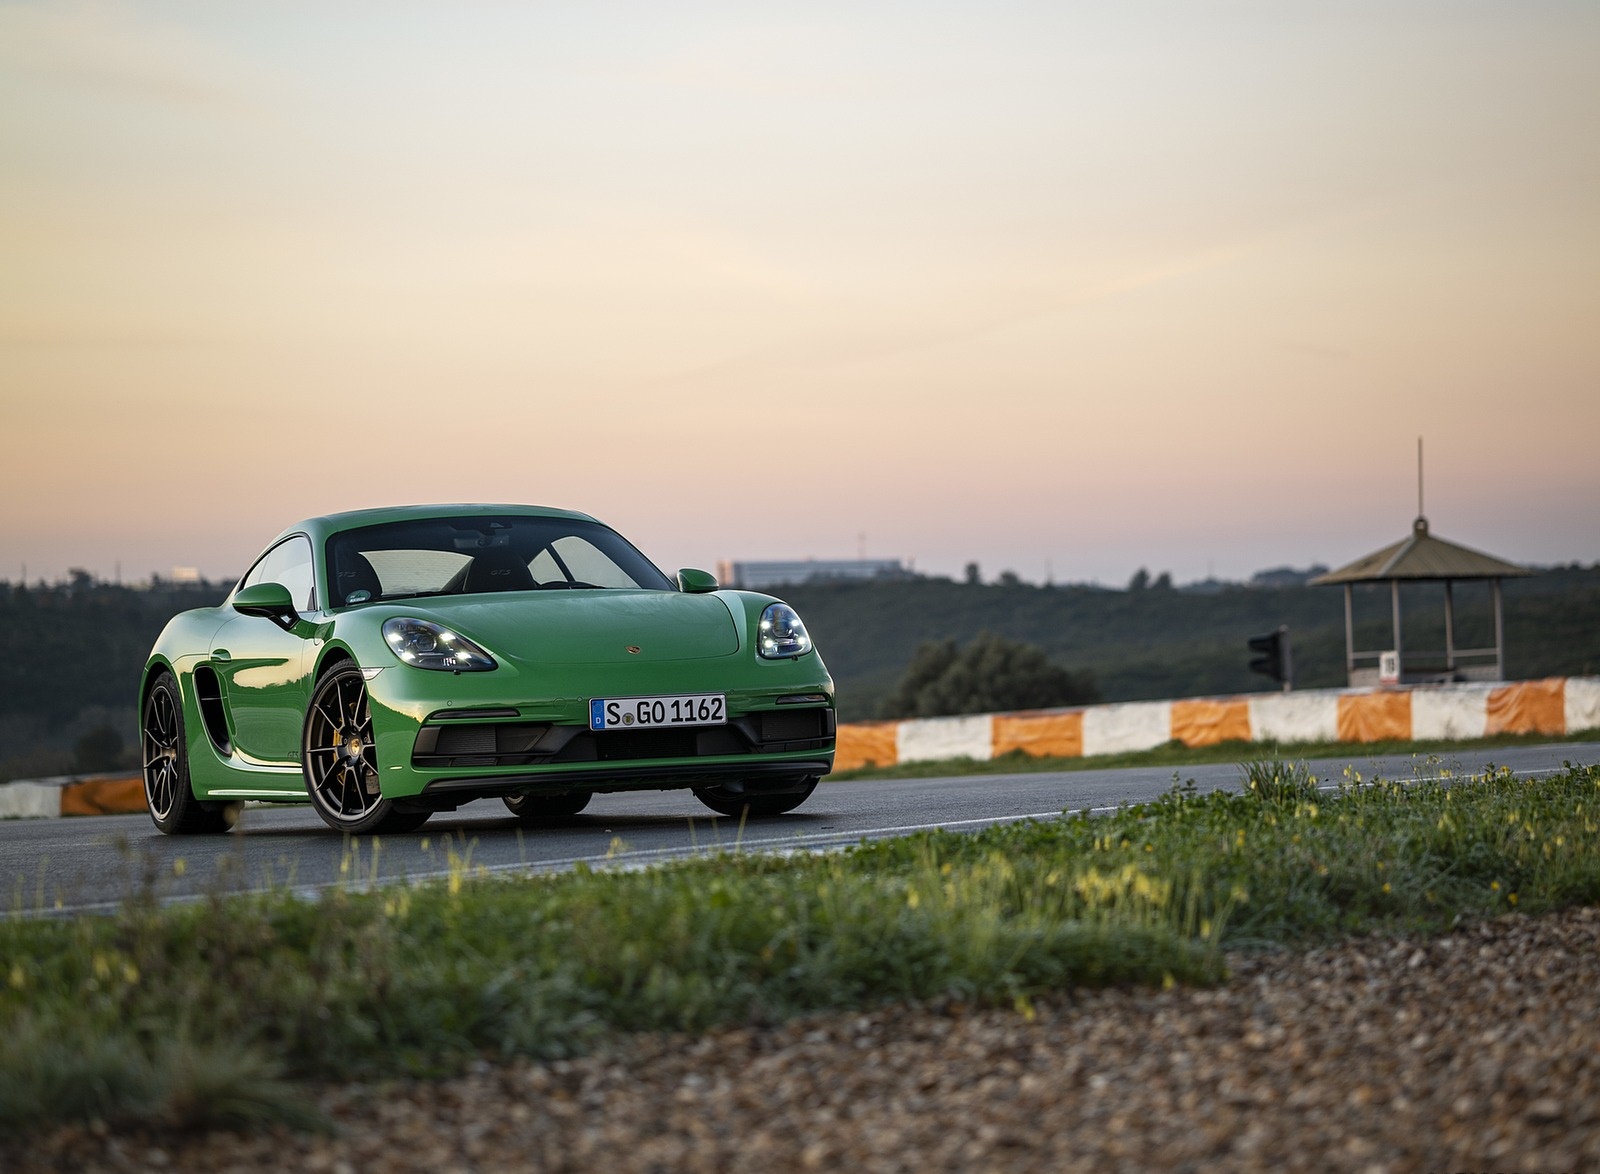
469, 555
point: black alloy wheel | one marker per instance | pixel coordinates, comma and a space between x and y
165, 754
544, 810
341, 760
736, 804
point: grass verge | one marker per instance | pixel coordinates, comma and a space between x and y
1176, 754
207, 1013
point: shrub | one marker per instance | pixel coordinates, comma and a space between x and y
989, 675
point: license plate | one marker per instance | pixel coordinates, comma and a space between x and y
649, 713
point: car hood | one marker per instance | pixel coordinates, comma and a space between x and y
591, 627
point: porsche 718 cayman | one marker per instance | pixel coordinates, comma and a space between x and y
386, 664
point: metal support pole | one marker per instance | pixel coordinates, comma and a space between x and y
1499, 635
1394, 597
1449, 627
1349, 638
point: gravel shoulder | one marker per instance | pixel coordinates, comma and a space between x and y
1479, 1050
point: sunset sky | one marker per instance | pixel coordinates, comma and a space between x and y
1060, 288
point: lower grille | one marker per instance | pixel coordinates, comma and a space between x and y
487, 744
615, 745
786, 725
538, 743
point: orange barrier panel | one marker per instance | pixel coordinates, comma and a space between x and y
864, 742
1528, 707
104, 797
1043, 735
1375, 717
1205, 723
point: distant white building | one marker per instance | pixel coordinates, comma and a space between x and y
758, 576
1287, 576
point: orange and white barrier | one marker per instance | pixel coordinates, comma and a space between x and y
1557, 705
70, 795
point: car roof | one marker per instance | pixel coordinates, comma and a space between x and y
321, 527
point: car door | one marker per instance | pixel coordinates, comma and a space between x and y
264, 668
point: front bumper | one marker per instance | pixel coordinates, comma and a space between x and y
444, 739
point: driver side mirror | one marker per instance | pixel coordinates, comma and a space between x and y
271, 600
693, 582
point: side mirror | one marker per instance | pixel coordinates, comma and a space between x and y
270, 600
695, 582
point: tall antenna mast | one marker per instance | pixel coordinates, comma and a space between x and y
1419, 476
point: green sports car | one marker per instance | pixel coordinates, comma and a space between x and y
386, 664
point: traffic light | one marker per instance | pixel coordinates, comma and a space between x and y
1273, 659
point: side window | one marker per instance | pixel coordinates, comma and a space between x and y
288, 563
258, 573
297, 575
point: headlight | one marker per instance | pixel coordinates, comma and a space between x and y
782, 634
426, 645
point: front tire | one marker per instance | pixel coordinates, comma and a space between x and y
165, 754
544, 810
736, 804
340, 760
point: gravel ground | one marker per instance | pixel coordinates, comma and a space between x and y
1479, 1051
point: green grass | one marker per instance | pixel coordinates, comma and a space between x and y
208, 1013
1176, 754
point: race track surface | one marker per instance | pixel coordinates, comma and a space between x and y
90, 864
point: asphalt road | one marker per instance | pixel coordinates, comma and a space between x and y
90, 864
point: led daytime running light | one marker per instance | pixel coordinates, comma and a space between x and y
781, 635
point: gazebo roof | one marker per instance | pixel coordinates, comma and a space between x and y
1422, 556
